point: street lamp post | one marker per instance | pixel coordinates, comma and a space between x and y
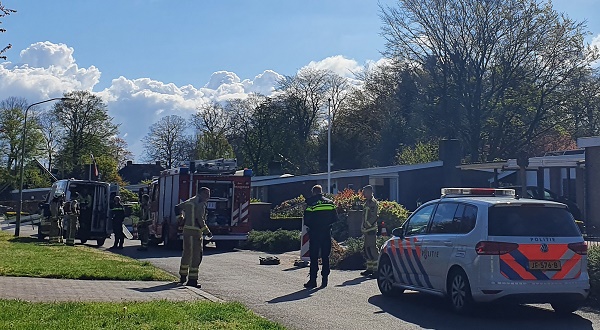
329, 146
21, 169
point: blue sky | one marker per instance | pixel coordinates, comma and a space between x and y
150, 58
184, 42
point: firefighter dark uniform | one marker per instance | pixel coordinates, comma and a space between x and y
72, 219
319, 215
56, 215
118, 215
369, 230
194, 217
143, 224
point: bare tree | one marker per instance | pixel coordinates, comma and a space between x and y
166, 141
497, 69
119, 151
3, 13
212, 123
51, 133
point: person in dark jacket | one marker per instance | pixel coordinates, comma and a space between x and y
118, 216
319, 215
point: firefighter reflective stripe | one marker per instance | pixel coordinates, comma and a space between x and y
407, 260
193, 275
183, 270
515, 265
321, 207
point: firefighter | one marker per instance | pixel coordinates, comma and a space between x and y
369, 230
193, 214
56, 214
72, 218
118, 215
319, 215
143, 224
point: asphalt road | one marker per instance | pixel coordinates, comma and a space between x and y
349, 302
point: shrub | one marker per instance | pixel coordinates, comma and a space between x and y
350, 255
393, 214
594, 273
273, 241
290, 208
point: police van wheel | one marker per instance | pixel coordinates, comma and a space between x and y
385, 278
83, 241
565, 307
459, 292
100, 242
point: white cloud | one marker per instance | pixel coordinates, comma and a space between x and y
596, 41
45, 70
338, 64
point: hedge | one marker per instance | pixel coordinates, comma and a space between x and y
278, 241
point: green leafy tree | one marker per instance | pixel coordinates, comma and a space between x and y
87, 129
422, 152
212, 122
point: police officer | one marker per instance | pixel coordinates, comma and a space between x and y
193, 213
118, 215
319, 215
56, 215
72, 218
143, 224
369, 230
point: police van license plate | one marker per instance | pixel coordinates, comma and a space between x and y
211, 205
544, 265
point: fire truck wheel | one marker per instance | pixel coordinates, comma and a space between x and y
100, 242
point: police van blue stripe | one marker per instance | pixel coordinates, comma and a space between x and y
420, 265
506, 269
395, 263
412, 267
524, 262
399, 257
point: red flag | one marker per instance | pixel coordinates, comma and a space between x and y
95, 166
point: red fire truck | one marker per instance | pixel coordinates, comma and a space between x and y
227, 207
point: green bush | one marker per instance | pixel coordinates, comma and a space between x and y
273, 241
350, 255
290, 208
393, 214
594, 272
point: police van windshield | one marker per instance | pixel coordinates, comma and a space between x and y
531, 221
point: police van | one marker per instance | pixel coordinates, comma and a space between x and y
482, 245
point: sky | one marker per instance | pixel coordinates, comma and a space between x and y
151, 58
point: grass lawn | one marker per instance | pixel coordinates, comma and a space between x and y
23, 256
140, 315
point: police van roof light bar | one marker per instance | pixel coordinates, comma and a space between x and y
477, 192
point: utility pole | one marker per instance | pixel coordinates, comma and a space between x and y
329, 146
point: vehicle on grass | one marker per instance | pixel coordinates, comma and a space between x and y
482, 245
227, 207
94, 204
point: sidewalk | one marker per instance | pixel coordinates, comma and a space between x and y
50, 290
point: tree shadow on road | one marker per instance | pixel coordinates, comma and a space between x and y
300, 294
433, 313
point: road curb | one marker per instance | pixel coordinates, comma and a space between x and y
205, 295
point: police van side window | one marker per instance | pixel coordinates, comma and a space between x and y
468, 219
417, 224
444, 220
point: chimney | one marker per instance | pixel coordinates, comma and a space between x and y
129, 162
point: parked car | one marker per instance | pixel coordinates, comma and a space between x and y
549, 195
482, 245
